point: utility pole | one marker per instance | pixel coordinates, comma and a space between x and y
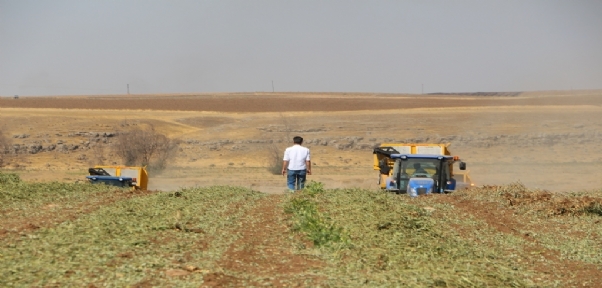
422, 89
128, 89
272, 86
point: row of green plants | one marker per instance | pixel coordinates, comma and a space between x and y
565, 222
315, 225
391, 240
380, 239
18, 194
365, 237
131, 241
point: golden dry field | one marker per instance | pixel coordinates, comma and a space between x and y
546, 140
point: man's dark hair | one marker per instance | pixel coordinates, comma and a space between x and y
297, 140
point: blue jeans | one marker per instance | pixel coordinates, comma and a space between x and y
296, 178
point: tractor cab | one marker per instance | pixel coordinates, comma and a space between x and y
419, 174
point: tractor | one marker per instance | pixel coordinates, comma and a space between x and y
419, 169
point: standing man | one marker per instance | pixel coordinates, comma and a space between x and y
296, 160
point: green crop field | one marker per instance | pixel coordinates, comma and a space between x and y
81, 235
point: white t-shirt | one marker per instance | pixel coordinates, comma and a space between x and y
296, 156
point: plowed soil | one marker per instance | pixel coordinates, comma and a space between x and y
549, 263
287, 103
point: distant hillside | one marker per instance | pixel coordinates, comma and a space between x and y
508, 94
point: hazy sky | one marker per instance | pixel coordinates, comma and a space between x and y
64, 47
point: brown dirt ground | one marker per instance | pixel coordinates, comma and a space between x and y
262, 251
285, 102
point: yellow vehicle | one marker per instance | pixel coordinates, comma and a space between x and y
121, 176
426, 168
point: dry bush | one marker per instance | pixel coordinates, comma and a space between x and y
274, 157
98, 155
144, 147
275, 150
5, 144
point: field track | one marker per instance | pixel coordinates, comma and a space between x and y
262, 103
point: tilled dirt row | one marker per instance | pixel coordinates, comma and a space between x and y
546, 262
263, 255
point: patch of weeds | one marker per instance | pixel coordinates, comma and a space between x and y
313, 188
308, 220
9, 178
593, 208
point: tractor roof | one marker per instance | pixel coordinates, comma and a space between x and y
421, 156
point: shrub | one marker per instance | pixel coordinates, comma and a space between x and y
274, 158
5, 144
275, 150
145, 147
593, 208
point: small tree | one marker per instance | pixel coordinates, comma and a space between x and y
144, 146
5, 145
274, 157
275, 150
98, 154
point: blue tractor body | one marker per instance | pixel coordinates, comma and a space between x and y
421, 174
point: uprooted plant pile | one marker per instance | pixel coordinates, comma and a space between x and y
542, 201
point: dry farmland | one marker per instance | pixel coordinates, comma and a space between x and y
537, 138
